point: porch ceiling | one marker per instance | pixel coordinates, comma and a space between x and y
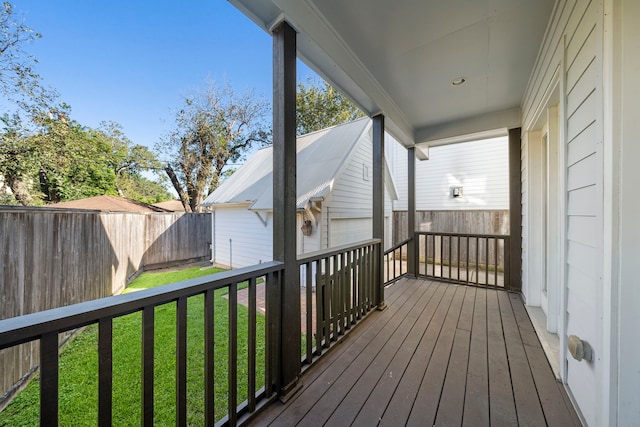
400, 57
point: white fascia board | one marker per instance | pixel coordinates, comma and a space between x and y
484, 126
230, 205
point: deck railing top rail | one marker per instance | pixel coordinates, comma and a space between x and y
474, 235
404, 242
324, 253
21, 329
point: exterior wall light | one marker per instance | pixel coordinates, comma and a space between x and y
306, 228
456, 192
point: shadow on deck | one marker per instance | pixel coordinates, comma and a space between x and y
440, 354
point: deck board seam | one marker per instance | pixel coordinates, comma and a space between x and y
438, 340
449, 360
353, 362
386, 315
446, 298
428, 295
436, 297
316, 371
440, 376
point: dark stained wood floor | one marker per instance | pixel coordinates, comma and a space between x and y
440, 354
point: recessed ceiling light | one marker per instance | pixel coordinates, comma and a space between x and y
458, 81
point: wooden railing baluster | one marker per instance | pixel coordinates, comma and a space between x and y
209, 357
251, 359
477, 260
335, 294
309, 310
148, 327
327, 302
495, 265
49, 379
233, 354
319, 307
486, 261
181, 362
467, 263
105, 371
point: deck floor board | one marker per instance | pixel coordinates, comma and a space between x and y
440, 354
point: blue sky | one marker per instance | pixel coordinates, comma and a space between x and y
132, 61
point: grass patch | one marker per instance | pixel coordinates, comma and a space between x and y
79, 364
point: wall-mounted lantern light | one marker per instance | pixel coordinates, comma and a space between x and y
306, 228
456, 192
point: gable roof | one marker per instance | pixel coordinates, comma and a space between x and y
171, 205
108, 203
321, 156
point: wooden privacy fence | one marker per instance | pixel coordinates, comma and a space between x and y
467, 222
52, 258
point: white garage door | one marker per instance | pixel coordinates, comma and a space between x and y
349, 230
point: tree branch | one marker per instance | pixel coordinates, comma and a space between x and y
184, 197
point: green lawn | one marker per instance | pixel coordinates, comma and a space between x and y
79, 361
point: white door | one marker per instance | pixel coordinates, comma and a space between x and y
551, 239
343, 231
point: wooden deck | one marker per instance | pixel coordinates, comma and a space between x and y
440, 354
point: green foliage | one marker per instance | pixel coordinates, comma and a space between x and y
137, 187
57, 159
214, 126
19, 81
45, 157
78, 364
18, 159
319, 106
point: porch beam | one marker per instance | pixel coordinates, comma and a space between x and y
284, 202
411, 212
378, 205
515, 211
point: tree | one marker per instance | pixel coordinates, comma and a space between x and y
18, 160
18, 78
129, 161
216, 125
58, 159
45, 156
74, 161
319, 106
142, 189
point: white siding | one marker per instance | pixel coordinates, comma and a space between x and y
481, 168
351, 200
624, 139
251, 241
312, 242
578, 23
351, 193
349, 230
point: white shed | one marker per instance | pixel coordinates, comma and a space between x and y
334, 187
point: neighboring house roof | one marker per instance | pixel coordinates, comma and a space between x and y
171, 205
321, 157
108, 203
